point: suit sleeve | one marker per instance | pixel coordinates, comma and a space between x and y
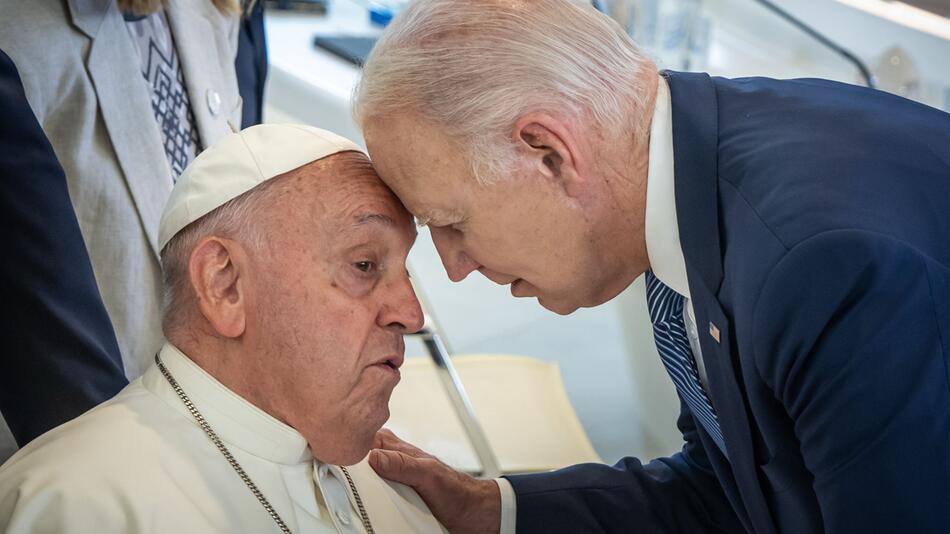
59, 355
851, 337
679, 494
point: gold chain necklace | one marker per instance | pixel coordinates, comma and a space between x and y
213, 436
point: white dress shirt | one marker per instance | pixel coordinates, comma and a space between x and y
663, 249
141, 464
662, 229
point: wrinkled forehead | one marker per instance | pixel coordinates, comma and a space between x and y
427, 171
345, 188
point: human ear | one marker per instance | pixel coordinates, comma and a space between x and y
216, 271
550, 146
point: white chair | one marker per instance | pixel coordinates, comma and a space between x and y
520, 403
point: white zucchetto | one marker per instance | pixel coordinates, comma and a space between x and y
240, 162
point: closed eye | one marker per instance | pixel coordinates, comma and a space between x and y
457, 225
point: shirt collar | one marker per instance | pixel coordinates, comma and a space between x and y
235, 420
662, 231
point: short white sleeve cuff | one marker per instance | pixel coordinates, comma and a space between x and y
508, 509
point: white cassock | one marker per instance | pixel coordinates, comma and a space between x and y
141, 464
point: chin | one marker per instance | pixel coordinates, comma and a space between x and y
356, 456
364, 435
350, 441
560, 307
352, 452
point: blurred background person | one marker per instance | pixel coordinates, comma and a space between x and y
133, 90
60, 357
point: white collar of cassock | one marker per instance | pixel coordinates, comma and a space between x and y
234, 419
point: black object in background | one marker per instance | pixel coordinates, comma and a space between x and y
821, 38
250, 65
937, 7
353, 49
306, 6
59, 356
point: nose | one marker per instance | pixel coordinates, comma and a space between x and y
448, 242
402, 311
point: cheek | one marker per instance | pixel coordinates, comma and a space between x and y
339, 336
529, 243
498, 243
324, 333
556, 251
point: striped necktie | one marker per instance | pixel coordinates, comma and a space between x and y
666, 312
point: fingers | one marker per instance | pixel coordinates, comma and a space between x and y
386, 440
402, 468
383, 436
460, 502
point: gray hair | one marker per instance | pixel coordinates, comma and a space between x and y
473, 67
237, 219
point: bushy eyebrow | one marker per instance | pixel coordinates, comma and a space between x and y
370, 222
374, 218
444, 217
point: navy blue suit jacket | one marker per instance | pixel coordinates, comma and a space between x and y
58, 353
250, 65
815, 222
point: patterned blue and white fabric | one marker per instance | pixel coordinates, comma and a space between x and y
170, 104
669, 330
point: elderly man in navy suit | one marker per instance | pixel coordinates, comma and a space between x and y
794, 235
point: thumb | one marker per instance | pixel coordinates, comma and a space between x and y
460, 502
396, 466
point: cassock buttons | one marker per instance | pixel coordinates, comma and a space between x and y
343, 517
214, 101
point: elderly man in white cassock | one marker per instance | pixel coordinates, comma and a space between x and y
287, 298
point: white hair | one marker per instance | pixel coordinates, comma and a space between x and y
233, 220
473, 67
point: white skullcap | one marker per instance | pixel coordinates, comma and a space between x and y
240, 162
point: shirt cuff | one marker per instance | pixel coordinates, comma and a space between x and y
509, 510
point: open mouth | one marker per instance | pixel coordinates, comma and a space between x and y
390, 364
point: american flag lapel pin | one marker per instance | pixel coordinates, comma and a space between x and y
714, 332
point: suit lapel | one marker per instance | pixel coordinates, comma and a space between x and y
695, 139
126, 107
87, 15
210, 40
